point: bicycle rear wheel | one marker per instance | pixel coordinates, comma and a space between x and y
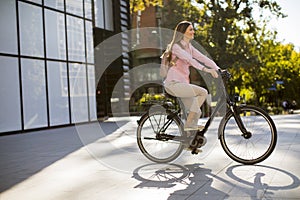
159, 146
255, 148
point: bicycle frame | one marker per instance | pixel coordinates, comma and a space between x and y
230, 104
168, 124
170, 120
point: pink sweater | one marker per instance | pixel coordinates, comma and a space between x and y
187, 56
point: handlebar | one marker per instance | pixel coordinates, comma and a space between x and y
224, 74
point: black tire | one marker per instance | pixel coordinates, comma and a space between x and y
248, 150
156, 150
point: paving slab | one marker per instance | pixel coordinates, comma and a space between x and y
102, 161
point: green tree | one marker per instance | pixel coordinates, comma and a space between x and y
231, 28
281, 67
141, 5
179, 10
233, 38
230, 34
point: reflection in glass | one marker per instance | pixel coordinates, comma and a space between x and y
89, 42
31, 30
36, 1
34, 93
78, 92
8, 30
92, 92
75, 29
57, 91
88, 9
55, 35
58, 4
75, 7
10, 115
99, 13
109, 20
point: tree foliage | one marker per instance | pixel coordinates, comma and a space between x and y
141, 5
237, 40
280, 71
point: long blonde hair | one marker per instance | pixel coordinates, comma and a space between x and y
178, 33
177, 37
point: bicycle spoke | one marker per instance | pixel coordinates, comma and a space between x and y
156, 146
252, 148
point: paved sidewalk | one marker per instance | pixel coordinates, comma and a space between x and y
102, 161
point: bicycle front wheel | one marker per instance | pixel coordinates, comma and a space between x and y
255, 147
159, 146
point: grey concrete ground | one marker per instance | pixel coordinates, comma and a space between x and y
102, 161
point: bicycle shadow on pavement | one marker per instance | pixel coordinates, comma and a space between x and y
251, 181
263, 182
196, 179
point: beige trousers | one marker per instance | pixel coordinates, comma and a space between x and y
192, 96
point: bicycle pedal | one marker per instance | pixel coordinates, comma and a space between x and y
198, 141
202, 141
196, 151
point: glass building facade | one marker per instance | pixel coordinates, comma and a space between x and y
47, 64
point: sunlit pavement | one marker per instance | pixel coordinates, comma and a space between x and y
102, 161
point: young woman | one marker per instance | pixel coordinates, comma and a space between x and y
177, 82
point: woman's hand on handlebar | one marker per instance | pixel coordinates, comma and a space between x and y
213, 72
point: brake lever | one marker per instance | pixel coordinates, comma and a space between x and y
224, 74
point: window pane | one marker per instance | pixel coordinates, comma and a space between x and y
31, 30
99, 14
109, 19
78, 92
58, 4
36, 1
88, 9
10, 115
92, 92
89, 42
34, 93
75, 7
8, 30
57, 90
76, 49
55, 35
